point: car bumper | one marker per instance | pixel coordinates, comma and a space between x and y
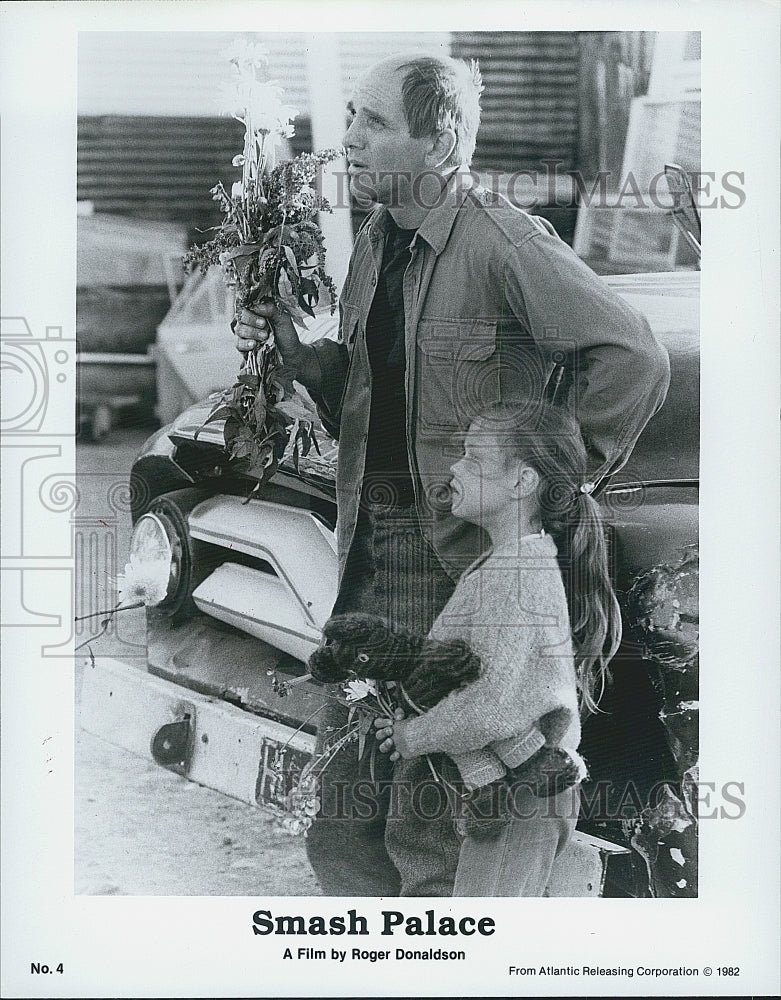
227, 748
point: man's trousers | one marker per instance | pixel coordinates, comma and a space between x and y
382, 829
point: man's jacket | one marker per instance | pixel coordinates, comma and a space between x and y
494, 303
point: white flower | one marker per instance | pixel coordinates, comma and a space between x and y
265, 109
245, 53
235, 95
238, 160
360, 689
145, 581
295, 825
237, 190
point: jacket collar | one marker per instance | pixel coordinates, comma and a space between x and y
438, 224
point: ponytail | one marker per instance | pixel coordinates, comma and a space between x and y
595, 616
549, 439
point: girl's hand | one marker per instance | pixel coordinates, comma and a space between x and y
384, 734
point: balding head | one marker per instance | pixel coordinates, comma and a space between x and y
439, 92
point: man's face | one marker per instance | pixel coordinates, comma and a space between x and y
383, 158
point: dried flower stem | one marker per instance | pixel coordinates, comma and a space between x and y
110, 611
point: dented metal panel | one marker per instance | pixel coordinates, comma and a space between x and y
663, 613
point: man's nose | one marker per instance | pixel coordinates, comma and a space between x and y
352, 135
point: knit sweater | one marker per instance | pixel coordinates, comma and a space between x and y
513, 613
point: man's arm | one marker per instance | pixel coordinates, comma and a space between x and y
620, 372
333, 362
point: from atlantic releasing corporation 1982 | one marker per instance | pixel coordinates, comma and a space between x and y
587, 970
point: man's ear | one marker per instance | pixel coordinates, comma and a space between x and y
526, 479
441, 148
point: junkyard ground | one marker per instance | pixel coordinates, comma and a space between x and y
139, 829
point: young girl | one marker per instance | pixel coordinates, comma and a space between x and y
539, 611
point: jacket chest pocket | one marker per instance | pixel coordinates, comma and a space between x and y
458, 372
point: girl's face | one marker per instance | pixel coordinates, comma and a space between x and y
482, 480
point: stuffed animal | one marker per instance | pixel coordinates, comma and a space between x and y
362, 645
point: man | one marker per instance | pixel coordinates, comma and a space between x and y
453, 300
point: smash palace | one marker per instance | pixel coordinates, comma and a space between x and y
263, 922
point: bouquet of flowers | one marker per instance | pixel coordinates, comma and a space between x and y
366, 700
270, 248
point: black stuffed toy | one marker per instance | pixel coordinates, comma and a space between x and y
362, 645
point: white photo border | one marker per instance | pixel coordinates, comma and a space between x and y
185, 946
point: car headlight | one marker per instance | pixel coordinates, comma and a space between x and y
156, 558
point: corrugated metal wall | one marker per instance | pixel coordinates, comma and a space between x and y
176, 73
155, 167
530, 103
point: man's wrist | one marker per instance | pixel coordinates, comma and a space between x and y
306, 366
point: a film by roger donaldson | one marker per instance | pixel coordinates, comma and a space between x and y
360, 367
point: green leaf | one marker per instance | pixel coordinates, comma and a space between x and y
293, 407
289, 303
231, 429
260, 467
283, 377
246, 378
305, 306
291, 259
218, 413
251, 493
244, 433
364, 728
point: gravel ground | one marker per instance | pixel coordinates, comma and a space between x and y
139, 829
144, 831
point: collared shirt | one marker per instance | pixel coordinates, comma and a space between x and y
493, 301
387, 476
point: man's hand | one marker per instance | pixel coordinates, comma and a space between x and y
253, 327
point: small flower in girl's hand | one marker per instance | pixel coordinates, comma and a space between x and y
360, 689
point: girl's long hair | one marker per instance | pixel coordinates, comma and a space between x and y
549, 439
